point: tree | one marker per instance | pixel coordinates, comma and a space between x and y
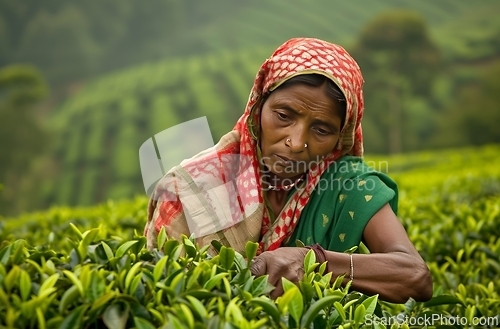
399, 62
21, 136
60, 44
473, 117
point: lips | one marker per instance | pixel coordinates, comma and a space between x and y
287, 160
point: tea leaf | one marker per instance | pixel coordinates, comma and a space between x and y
470, 312
338, 282
340, 309
19, 252
159, 268
87, 238
47, 286
210, 284
157, 315
12, 278
131, 274
5, 254
268, 307
24, 285
68, 297
287, 284
442, 300
161, 238
317, 306
141, 323
193, 278
198, 307
41, 318
107, 250
296, 304
76, 231
226, 257
173, 322
259, 285
326, 280
322, 269
116, 315
318, 289
227, 287
96, 287
177, 283
3, 297
359, 314
124, 248
370, 304
102, 301
189, 247
187, 315
74, 320
74, 279
309, 262
217, 245
307, 291
134, 288
170, 246
233, 311
250, 251
349, 303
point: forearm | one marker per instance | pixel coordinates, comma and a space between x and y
395, 276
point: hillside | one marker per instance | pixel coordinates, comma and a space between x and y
102, 127
264, 22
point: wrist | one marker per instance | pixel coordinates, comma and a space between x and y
319, 252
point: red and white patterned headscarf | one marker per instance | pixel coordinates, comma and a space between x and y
295, 57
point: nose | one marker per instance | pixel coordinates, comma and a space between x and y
297, 140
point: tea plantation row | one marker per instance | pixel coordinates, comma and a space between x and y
89, 268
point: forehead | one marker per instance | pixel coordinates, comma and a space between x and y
302, 93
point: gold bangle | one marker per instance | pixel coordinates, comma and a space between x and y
351, 275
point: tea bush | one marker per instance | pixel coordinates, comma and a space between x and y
89, 268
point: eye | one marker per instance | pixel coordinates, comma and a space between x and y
322, 131
282, 116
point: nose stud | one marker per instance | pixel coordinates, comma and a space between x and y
288, 140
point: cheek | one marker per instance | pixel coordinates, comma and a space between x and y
267, 128
264, 120
324, 149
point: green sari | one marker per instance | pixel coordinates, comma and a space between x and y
347, 196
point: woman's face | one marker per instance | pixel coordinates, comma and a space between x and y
292, 117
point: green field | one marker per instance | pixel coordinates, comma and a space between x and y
100, 129
449, 204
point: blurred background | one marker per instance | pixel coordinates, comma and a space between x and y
84, 83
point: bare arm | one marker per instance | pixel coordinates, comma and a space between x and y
394, 269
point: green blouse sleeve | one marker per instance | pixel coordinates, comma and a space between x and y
345, 199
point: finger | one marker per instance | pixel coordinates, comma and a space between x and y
278, 291
299, 275
258, 267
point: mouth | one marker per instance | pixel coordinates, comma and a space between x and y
286, 160
287, 167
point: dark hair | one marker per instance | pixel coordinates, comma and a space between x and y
318, 80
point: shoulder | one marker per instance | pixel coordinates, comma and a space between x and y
356, 169
362, 182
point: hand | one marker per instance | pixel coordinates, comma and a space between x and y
285, 262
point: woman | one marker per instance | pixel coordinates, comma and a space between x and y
291, 171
